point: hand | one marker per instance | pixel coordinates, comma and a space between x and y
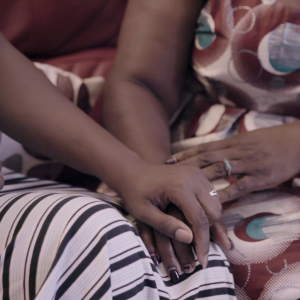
1, 178
174, 255
260, 159
149, 192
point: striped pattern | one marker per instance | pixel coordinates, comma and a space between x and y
72, 246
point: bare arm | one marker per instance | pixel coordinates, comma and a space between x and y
147, 78
144, 90
35, 113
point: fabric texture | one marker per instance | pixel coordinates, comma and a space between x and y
58, 242
247, 54
45, 29
247, 58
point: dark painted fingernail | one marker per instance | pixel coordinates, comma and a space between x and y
171, 161
155, 260
232, 244
174, 275
187, 269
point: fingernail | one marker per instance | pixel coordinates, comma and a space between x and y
205, 262
187, 269
232, 244
155, 260
183, 236
171, 161
174, 275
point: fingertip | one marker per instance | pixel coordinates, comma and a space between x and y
188, 269
155, 260
174, 274
184, 236
171, 161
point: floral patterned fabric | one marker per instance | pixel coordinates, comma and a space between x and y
247, 56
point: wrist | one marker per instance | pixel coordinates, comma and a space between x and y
123, 172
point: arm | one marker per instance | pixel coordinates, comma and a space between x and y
36, 114
144, 90
147, 78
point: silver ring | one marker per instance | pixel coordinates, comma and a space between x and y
213, 193
228, 167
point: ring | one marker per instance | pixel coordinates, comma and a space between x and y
228, 167
213, 193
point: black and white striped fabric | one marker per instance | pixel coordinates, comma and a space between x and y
67, 245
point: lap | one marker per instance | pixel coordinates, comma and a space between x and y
71, 246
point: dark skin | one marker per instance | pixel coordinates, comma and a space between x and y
35, 113
147, 92
145, 88
254, 157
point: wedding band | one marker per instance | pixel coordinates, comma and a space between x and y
228, 167
213, 193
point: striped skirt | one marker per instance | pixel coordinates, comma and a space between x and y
59, 242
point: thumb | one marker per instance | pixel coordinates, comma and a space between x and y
165, 224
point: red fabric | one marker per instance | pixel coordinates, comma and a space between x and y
43, 28
85, 64
74, 35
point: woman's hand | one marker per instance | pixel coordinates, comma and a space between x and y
260, 159
148, 195
175, 255
1, 178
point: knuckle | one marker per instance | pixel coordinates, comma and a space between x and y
254, 155
204, 159
224, 195
264, 171
194, 171
203, 148
269, 180
240, 186
177, 187
203, 223
216, 216
219, 169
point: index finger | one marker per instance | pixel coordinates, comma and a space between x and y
187, 202
212, 146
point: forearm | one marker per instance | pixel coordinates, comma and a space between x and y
35, 113
133, 114
147, 79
